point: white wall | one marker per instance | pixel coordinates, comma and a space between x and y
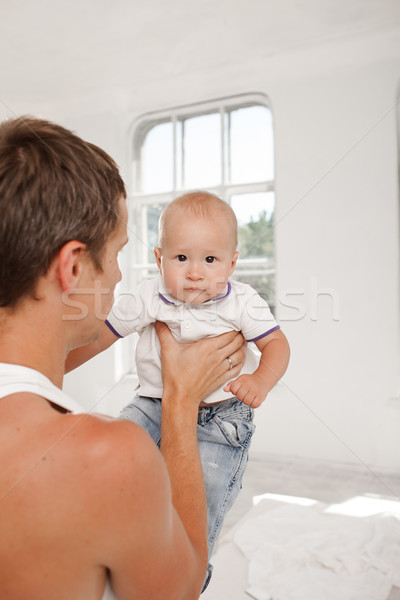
337, 166
337, 231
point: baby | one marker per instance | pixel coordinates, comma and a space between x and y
194, 296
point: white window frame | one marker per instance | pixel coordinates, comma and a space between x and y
138, 267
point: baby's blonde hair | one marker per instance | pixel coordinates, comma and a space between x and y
199, 204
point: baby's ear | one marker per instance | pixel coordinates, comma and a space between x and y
234, 261
157, 254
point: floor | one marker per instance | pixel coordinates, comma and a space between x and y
294, 478
305, 480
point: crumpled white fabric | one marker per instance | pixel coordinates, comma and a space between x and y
302, 553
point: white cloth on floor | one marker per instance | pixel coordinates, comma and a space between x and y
304, 553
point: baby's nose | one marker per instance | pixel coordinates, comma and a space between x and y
195, 272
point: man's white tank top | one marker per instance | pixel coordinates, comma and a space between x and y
15, 379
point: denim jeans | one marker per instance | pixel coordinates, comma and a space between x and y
224, 433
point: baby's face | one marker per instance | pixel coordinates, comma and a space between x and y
197, 256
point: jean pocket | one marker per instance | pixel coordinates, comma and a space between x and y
238, 433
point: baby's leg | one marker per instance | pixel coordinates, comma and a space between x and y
145, 412
224, 434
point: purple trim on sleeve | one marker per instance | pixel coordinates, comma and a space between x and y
227, 293
264, 334
113, 330
165, 300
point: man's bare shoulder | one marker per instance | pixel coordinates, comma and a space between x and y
79, 444
128, 485
112, 447
78, 477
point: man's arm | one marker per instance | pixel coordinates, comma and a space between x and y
143, 543
190, 373
157, 517
80, 355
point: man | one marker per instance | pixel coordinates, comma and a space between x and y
87, 501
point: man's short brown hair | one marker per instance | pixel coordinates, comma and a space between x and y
54, 188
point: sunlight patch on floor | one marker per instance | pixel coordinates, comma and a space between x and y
365, 506
283, 498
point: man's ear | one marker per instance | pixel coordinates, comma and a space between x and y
70, 264
157, 254
234, 261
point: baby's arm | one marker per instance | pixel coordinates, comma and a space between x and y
253, 389
80, 355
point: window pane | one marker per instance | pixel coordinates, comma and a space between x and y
179, 155
262, 281
255, 215
157, 167
151, 215
202, 151
251, 148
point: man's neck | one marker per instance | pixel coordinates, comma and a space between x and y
31, 338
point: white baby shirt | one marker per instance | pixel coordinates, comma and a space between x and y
239, 308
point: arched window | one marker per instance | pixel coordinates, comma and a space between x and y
226, 147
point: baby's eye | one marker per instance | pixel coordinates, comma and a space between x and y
181, 257
210, 259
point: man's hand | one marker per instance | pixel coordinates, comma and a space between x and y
197, 369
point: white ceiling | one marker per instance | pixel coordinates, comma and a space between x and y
52, 48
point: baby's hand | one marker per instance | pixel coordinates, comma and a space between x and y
250, 389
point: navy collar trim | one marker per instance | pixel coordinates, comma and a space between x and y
165, 300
